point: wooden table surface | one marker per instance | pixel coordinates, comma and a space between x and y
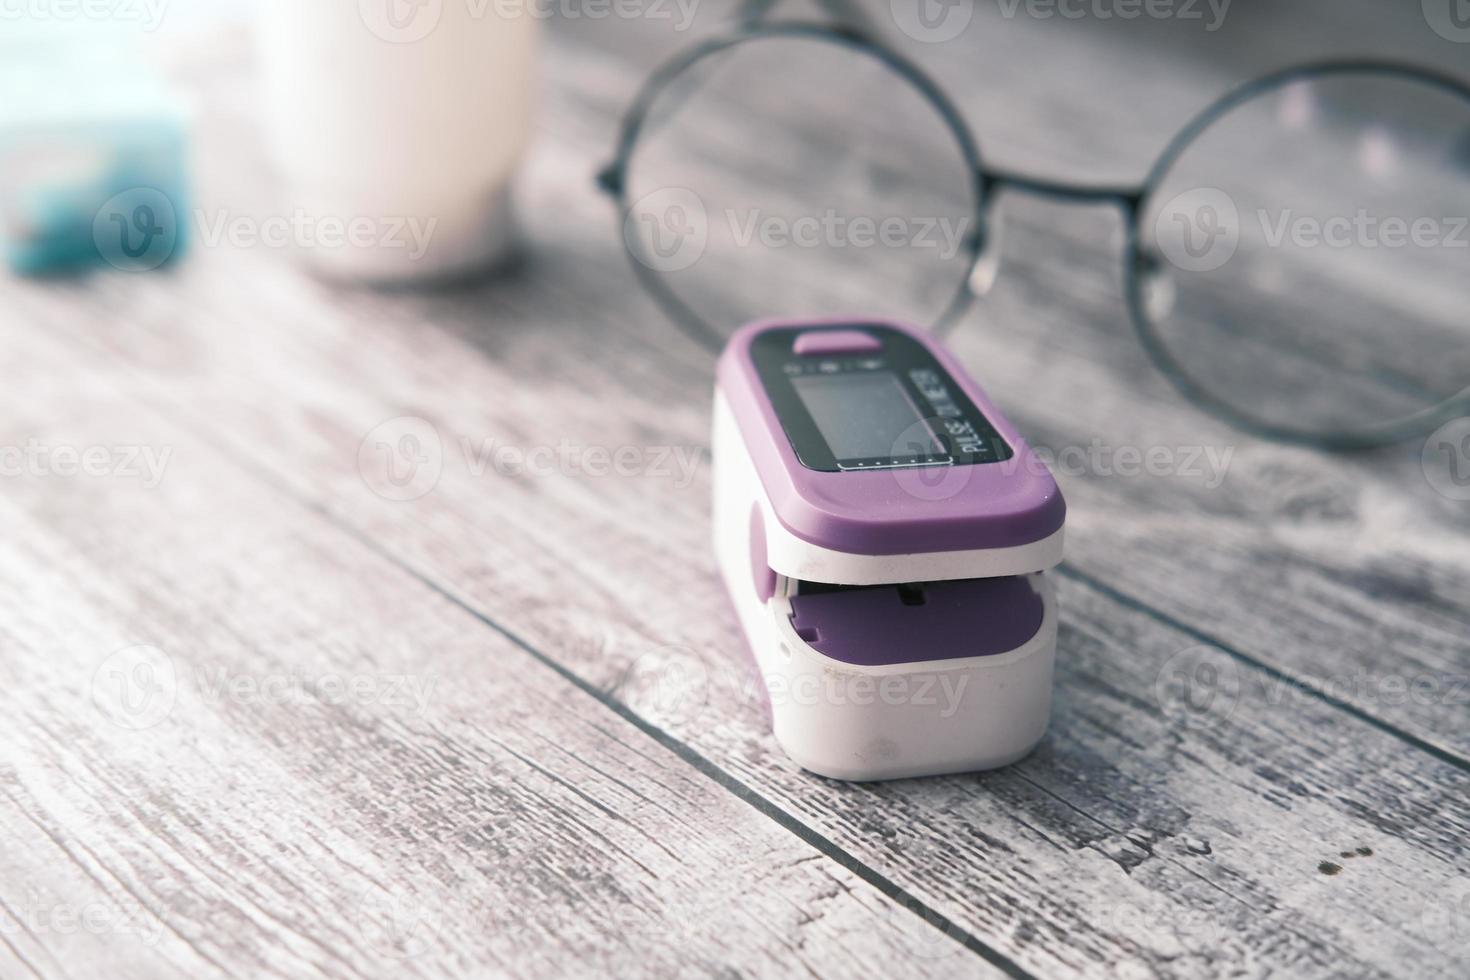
258, 718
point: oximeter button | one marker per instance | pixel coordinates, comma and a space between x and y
818, 342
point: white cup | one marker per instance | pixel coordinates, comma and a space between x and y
397, 126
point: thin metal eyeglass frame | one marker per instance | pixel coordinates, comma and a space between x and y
987, 183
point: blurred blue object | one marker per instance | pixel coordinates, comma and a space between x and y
93, 152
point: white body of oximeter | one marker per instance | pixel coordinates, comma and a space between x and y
882, 530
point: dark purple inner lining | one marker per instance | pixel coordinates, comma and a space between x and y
892, 624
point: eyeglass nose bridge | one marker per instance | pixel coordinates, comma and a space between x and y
994, 180
986, 238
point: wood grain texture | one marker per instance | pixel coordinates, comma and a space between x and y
234, 741
1144, 838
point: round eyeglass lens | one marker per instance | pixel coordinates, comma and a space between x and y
1306, 255
797, 174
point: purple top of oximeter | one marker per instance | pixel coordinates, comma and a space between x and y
869, 438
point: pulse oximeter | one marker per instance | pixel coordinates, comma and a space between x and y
882, 531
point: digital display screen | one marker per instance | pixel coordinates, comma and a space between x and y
867, 414
890, 405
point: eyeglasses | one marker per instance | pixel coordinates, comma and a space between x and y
1297, 260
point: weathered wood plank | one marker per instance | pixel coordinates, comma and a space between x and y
321, 766
1181, 839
